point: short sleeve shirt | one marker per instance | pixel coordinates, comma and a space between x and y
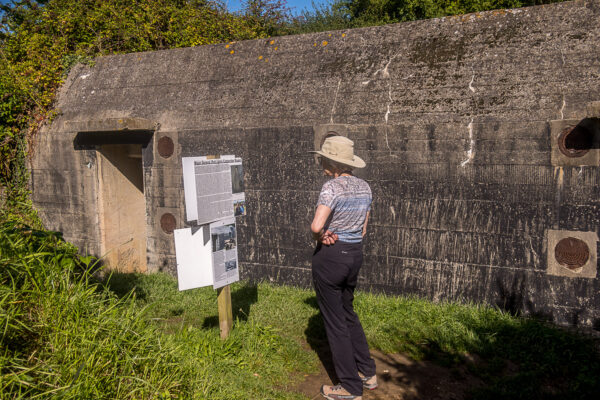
350, 199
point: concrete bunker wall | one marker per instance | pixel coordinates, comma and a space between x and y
459, 120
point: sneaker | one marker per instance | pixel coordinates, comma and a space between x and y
337, 392
369, 382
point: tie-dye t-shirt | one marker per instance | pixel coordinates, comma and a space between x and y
349, 198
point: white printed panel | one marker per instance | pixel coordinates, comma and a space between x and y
189, 184
189, 187
223, 237
194, 258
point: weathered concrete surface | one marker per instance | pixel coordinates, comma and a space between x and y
452, 116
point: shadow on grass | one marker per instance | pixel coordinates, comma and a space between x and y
242, 299
496, 358
523, 358
124, 283
531, 359
317, 340
243, 296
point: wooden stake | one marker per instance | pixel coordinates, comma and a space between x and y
225, 313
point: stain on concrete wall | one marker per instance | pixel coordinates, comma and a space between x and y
454, 117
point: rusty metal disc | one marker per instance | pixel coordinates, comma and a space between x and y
168, 223
572, 253
165, 147
575, 142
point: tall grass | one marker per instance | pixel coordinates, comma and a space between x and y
65, 336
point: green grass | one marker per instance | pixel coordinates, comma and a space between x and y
65, 335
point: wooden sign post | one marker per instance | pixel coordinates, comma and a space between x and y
214, 236
223, 294
225, 313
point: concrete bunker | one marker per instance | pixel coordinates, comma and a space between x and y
473, 193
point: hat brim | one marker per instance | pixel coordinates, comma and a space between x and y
356, 161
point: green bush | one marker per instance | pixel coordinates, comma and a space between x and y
345, 14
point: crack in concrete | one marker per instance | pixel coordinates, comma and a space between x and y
471, 88
558, 179
471, 151
387, 113
535, 254
384, 71
386, 75
562, 89
335, 101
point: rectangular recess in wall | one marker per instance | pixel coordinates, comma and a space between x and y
575, 142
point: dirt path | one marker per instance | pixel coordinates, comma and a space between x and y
402, 378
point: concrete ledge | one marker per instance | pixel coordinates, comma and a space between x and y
111, 125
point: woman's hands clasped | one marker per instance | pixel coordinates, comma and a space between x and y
328, 238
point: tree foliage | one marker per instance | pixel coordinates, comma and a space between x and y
344, 14
365, 12
40, 40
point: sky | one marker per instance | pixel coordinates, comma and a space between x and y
297, 6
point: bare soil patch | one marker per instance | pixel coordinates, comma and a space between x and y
402, 378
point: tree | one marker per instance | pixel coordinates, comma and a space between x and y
343, 14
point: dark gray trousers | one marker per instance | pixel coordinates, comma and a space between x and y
335, 273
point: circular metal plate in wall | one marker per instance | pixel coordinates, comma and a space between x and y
572, 253
165, 147
168, 223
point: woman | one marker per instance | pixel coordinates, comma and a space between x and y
339, 225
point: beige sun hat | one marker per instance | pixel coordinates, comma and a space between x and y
340, 149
